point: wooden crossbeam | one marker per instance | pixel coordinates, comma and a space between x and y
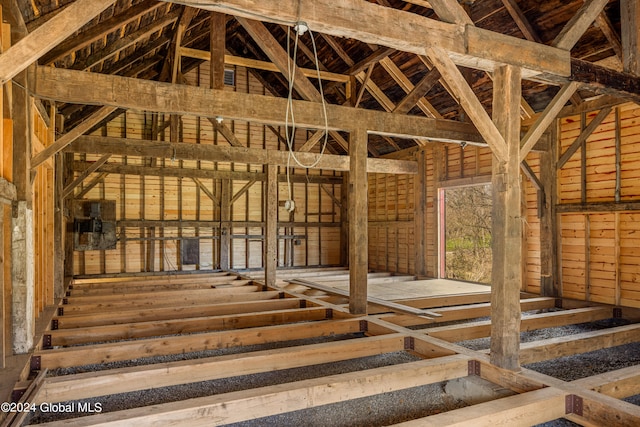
377, 25
101, 333
553, 348
95, 181
91, 88
536, 321
111, 352
418, 91
255, 403
29, 49
206, 191
133, 147
82, 386
530, 408
100, 317
196, 299
242, 191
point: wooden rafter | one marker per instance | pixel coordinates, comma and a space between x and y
580, 22
29, 49
100, 30
582, 138
68, 190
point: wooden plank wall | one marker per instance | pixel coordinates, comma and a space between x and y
308, 237
531, 228
599, 254
391, 223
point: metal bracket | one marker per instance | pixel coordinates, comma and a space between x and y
65, 301
474, 367
46, 342
54, 324
573, 404
558, 303
36, 363
281, 295
68, 293
303, 303
617, 312
329, 314
364, 326
409, 343
60, 311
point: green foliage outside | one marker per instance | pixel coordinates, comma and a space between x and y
468, 233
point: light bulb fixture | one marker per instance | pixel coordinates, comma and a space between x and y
219, 119
301, 28
463, 144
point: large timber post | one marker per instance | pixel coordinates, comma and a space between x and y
358, 222
506, 278
22, 253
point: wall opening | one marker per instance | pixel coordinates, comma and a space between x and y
467, 233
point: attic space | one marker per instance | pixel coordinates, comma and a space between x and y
320, 212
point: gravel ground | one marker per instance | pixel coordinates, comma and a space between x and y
379, 410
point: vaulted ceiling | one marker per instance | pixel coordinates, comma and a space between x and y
138, 38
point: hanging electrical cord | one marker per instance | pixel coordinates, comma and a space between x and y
300, 29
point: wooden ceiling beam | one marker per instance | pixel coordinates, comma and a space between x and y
371, 23
580, 22
215, 153
32, 47
100, 30
419, 91
92, 88
521, 20
113, 49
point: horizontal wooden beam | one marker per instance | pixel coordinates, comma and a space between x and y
111, 352
598, 207
91, 88
114, 317
482, 329
216, 153
371, 23
154, 328
530, 408
177, 172
579, 343
261, 402
94, 384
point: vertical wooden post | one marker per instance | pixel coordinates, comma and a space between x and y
358, 222
344, 220
22, 245
630, 24
507, 223
217, 39
420, 209
271, 226
225, 225
548, 219
438, 241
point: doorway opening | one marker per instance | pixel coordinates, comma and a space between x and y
466, 233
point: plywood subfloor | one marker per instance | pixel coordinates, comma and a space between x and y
382, 285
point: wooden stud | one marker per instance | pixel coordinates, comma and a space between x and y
630, 19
